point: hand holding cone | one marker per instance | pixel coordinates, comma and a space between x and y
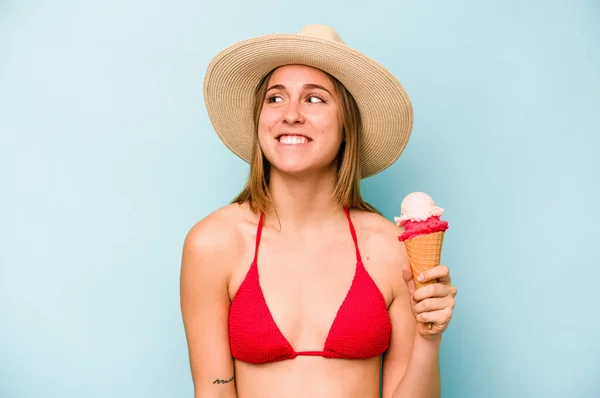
423, 234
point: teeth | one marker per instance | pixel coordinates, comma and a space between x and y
293, 139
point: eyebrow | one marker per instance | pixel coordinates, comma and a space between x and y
306, 86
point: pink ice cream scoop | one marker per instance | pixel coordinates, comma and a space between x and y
419, 216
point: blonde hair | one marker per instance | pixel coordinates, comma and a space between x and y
347, 187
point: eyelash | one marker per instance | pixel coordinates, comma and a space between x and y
270, 97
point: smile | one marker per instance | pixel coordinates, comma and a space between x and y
292, 139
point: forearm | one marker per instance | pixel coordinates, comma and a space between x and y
215, 394
422, 376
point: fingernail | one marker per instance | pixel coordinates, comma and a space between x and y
421, 278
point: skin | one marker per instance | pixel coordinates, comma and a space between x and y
306, 263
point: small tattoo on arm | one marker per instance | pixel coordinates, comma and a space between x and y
223, 381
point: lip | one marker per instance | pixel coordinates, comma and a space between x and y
293, 134
281, 144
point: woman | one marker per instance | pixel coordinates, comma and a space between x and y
312, 117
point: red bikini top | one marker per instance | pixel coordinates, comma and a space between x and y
361, 328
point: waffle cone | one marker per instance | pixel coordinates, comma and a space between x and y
424, 253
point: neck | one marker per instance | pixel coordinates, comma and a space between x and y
303, 201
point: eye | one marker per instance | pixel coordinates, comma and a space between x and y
314, 99
273, 99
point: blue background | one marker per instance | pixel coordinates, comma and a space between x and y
107, 158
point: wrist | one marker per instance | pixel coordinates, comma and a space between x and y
431, 340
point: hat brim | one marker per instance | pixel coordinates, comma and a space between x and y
233, 75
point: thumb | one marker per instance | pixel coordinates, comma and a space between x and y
408, 278
407, 273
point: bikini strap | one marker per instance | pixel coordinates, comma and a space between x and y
258, 234
353, 232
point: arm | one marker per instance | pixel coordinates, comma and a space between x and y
411, 365
205, 304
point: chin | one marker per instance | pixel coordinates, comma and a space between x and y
292, 169
297, 170
300, 164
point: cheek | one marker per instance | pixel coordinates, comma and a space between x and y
331, 128
267, 120
265, 125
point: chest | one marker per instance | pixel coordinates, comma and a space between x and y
304, 283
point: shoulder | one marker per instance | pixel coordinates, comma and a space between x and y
380, 247
215, 230
219, 238
378, 233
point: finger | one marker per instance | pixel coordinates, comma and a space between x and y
434, 290
441, 273
408, 278
406, 272
410, 286
434, 304
439, 317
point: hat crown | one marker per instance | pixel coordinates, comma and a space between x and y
322, 32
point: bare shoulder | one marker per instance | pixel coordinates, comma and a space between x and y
379, 234
218, 239
381, 250
217, 228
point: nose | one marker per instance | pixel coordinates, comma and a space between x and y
292, 113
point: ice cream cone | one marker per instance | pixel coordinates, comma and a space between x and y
423, 234
424, 252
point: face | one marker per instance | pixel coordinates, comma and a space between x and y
299, 127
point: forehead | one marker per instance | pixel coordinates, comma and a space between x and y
291, 75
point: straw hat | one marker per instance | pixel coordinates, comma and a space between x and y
233, 75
